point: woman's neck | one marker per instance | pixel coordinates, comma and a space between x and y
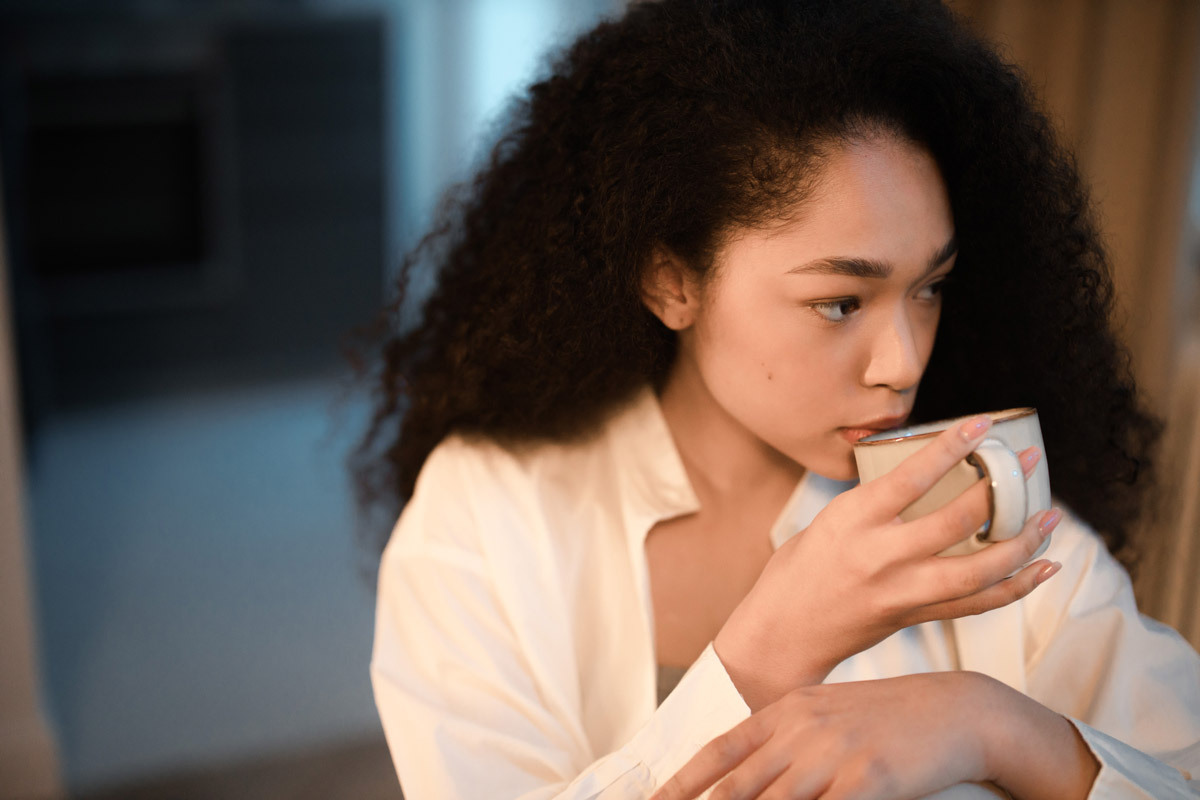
725, 462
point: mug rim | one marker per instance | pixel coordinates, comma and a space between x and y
1007, 415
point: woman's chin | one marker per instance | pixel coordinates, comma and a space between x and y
836, 469
850, 474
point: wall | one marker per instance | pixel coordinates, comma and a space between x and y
199, 586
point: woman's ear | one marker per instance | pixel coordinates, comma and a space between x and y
669, 290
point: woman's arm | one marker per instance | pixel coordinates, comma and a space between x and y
909, 736
1111, 701
857, 574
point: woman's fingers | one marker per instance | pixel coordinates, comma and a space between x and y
913, 477
962, 516
798, 783
943, 578
1029, 457
965, 575
753, 776
992, 577
950, 524
1001, 593
760, 758
715, 759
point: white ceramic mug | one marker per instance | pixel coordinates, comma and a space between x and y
1014, 499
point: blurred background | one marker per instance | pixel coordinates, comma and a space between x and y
201, 198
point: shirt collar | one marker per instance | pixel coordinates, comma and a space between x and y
655, 485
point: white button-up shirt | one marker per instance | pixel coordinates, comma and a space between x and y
514, 642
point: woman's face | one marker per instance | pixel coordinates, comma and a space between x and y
816, 332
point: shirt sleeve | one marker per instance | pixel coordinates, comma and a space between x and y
1130, 685
463, 713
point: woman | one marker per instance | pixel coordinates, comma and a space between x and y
719, 244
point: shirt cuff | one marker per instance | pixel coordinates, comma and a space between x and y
704, 705
1126, 772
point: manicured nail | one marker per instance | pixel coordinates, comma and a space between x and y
1030, 458
1049, 521
973, 428
1047, 572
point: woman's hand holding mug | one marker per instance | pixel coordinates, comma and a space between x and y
859, 573
1014, 496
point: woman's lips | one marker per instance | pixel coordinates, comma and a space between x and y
877, 425
852, 435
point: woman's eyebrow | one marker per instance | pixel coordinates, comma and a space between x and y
869, 267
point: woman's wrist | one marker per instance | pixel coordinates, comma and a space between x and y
1032, 751
757, 675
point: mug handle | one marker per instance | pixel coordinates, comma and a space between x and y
1000, 466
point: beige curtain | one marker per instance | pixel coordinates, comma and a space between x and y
1120, 78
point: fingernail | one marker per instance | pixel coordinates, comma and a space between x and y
1030, 458
1049, 521
973, 428
1047, 572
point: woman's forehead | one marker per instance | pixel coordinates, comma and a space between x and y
876, 198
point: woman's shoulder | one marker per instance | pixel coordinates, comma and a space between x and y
631, 436
475, 486
1076, 542
1090, 577
1073, 534
491, 469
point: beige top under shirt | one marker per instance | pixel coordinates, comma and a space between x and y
668, 678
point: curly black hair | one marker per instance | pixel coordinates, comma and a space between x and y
686, 119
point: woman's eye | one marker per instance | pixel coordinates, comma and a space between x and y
934, 289
836, 310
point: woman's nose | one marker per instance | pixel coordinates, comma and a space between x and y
895, 358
